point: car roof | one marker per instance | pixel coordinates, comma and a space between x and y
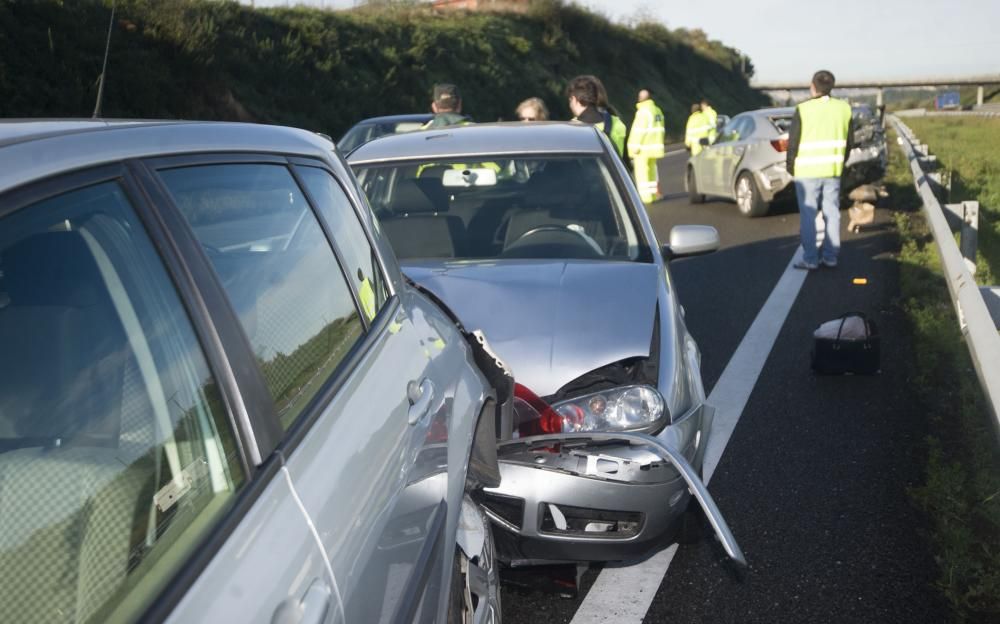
481, 139
396, 118
32, 149
782, 111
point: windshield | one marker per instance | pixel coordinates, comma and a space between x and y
502, 207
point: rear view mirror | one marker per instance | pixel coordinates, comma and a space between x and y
704, 141
691, 240
464, 178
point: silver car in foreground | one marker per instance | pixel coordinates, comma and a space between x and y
535, 234
219, 399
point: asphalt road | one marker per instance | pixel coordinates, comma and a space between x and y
814, 479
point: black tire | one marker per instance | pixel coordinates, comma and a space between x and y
485, 608
692, 186
748, 198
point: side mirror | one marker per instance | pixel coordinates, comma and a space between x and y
704, 141
691, 240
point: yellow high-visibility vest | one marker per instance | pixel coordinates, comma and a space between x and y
711, 119
697, 129
646, 139
824, 122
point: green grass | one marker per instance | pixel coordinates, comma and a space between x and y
325, 70
970, 148
961, 491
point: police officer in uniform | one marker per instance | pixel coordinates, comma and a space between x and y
711, 119
447, 107
645, 146
697, 129
819, 141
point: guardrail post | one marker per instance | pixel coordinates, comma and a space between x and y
969, 240
991, 296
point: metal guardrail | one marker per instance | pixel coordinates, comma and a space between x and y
920, 112
977, 325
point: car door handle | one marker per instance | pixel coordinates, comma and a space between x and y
310, 610
420, 398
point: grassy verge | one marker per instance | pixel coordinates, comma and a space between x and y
968, 147
961, 491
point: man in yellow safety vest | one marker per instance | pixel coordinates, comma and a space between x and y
696, 130
711, 119
645, 146
819, 142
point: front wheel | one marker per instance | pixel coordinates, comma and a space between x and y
692, 186
475, 581
748, 197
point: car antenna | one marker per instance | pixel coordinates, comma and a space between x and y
104, 65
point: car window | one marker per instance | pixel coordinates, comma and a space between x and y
116, 454
358, 135
502, 207
361, 264
278, 269
749, 126
731, 131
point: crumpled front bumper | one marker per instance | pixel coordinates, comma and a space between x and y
593, 497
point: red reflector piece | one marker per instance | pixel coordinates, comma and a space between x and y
780, 145
533, 415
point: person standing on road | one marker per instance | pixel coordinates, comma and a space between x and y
446, 105
819, 142
645, 146
711, 119
532, 109
696, 130
585, 94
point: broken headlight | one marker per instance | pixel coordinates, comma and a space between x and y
629, 408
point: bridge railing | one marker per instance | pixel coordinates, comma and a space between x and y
978, 326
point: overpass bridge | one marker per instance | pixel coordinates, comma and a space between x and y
880, 85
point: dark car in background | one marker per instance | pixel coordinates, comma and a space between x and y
368, 129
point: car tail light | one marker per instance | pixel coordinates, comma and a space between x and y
780, 145
533, 416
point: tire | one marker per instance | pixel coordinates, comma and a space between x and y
692, 186
473, 601
748, 198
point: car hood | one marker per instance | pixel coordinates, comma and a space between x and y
549, 320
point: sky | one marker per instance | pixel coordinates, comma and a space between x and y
788, 40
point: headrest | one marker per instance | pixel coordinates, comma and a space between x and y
50, 269
558, 182
412, 196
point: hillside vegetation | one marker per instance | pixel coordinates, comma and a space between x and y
325, 70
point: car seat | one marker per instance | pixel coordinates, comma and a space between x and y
69, 491
562, 194
419, 226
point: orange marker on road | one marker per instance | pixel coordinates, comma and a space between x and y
859, 281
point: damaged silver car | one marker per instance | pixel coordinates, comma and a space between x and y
535, 235
747, 163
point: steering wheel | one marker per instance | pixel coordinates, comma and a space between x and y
561, 242
562, 229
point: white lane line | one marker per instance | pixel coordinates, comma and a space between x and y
622, 595
731, 392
